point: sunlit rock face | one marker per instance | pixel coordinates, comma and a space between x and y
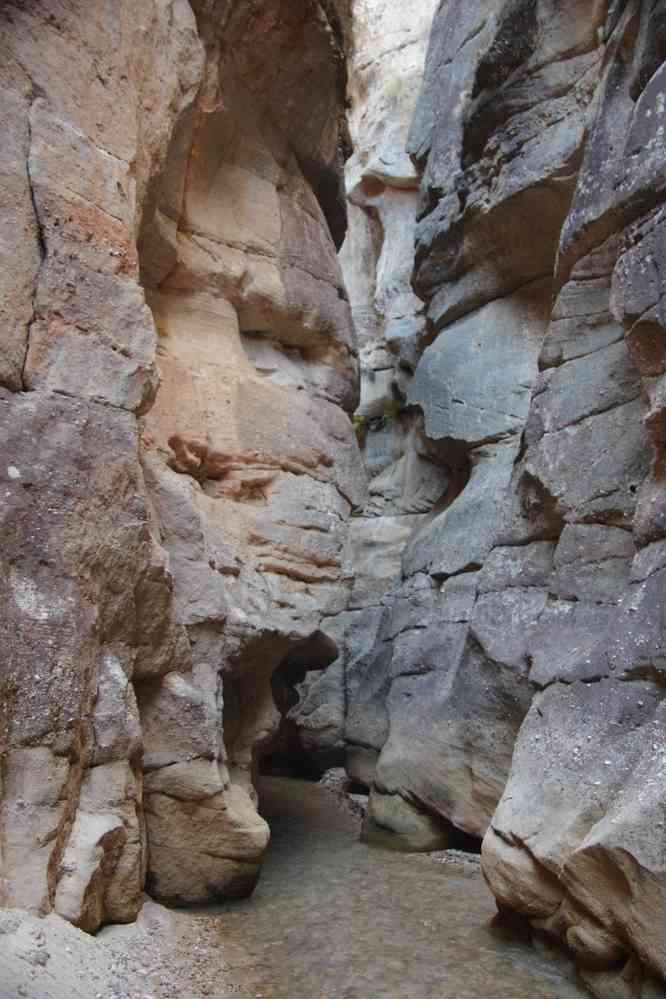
530, 606
178, 460
250, 459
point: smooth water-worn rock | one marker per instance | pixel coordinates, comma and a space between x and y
178, 461
537, 136
406, 477
235, 530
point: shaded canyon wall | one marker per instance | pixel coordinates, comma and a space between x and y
405, 473
514, 685
185, 512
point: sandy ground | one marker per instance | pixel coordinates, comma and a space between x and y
164, 955
331, 918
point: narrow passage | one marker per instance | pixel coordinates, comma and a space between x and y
333, 918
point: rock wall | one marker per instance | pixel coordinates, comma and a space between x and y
514, 689
404, 472
178, 463
188, 535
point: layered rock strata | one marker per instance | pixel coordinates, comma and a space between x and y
178, 462
514, 688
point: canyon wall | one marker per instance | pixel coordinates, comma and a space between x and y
514, 686
198, 569
178, 462
404, 476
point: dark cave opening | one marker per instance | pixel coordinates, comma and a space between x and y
289, 754
465, 842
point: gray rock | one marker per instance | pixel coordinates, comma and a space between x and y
592, 562
461, 537
594, 468
473, 383
583, 799
503, 623
538, 136
586, 385
524, 565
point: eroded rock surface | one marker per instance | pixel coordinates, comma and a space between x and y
523, 639
443, 692
194, 569
405, 477
178, 462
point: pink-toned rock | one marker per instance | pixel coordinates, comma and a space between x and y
177, 461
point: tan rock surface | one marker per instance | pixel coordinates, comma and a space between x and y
168, 256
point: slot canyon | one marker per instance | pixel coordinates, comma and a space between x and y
333, 499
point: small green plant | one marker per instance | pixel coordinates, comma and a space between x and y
360, 429
364, 424
392, 410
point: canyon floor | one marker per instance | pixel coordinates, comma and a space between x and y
337, 919
331, 918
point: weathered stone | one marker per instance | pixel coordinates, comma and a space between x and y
20, 250
518, 120
374, 552
177, 557
103, 866
564, 640
473, 383
395, 823
583, 798
33, 807
173, 201
587, 385
593, 469
452, 752
320, 714
503, 624
461, 537
71, 537
537, 135
582, 321
361, 764
524, 565
593, 946
204, 847
592, 563
517, 880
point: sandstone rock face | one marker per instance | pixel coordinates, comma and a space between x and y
250, 460
514, 686
178, 464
